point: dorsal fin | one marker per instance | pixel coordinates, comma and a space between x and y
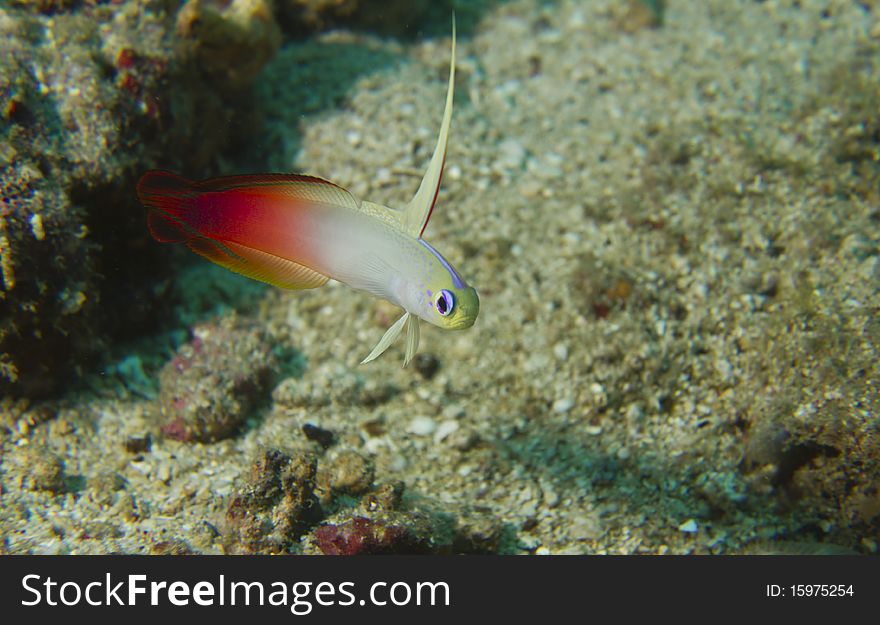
419, 209
309, 188
391, 216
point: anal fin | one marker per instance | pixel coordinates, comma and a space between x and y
257, 264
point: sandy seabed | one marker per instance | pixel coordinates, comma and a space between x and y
674, 231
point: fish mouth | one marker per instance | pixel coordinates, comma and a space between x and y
467, 313
465, 323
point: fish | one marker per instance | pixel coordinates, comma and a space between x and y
298, 231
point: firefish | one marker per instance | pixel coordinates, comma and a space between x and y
296, 232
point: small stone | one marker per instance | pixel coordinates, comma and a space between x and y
164, 473
464, 439
386, 497
397, 463
36, 222
426, 365
453, 411
44, 470
325, 438
383, 176
374, 428
689, 527
215, 382
586, 527
551, 497
353, 137
104, 484
511, 155
563, 405
138, 444
477, 535
174, 547
422, 426
635, 15
444, 430
204, 535
351, 473
560, 350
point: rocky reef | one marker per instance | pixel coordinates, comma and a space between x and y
91, 95
297, 502
88, 99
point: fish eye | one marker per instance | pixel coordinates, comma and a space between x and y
444, 302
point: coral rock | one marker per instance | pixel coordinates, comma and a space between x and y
276, 503
214, 383
351, 473
229, 39
362, 536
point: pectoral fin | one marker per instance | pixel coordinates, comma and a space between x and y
419, 210
387, 339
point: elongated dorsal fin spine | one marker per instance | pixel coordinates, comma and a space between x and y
419, 210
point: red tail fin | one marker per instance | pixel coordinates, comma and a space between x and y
168, 198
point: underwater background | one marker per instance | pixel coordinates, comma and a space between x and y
670, 209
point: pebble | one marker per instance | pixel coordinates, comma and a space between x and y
444, 430
426, 365
43, 469
397, 463
383, 176
353, 137
511, 154
352, 473
36, 222
551, 497
689, 527
530, 542
563, 405
325, 438
164, 472
453, 411
422, 426
560, 351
